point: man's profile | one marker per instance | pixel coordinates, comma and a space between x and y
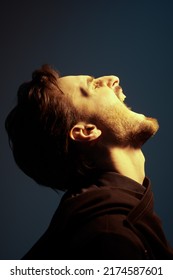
76, 134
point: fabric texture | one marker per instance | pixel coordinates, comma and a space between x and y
112, 218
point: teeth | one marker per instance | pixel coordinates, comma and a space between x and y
122, 97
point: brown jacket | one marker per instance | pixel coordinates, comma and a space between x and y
112, 218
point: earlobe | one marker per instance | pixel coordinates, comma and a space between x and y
84, 132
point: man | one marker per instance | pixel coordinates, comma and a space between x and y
75, 133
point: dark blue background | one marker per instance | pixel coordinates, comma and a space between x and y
129, 38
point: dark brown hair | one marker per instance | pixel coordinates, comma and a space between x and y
38, 129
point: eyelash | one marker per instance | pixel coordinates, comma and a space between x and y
97, 85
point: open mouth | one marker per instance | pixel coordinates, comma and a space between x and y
122, 97
119, 93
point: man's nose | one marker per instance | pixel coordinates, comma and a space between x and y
111, 81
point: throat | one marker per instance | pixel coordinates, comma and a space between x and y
129, 162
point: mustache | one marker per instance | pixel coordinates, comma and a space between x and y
118, 88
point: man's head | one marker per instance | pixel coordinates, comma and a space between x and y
100, 102
38, 128
59, 123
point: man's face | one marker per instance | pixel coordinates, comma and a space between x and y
101, 101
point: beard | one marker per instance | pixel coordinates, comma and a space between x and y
122, 127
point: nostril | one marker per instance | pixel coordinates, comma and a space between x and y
115, 81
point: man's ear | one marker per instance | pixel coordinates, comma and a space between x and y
84, 132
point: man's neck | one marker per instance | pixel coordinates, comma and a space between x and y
126, 161
129, 162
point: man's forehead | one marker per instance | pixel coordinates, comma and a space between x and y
75, 78
73, 81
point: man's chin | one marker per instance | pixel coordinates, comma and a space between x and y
147, 129
154, 125
150, 130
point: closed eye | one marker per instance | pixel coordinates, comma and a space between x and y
90, 80
97, 83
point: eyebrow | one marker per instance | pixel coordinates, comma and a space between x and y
88, 82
